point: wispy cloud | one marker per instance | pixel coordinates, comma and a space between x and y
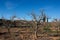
10, 5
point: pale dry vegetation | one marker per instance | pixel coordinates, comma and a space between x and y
37, 29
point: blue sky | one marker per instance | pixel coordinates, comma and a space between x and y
21, 8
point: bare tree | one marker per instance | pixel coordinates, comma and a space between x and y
34, 23
38, 19
43, 16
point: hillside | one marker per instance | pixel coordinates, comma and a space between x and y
29, 30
